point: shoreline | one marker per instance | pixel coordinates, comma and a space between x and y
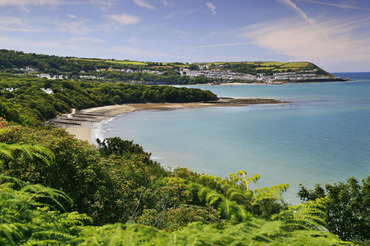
80, 123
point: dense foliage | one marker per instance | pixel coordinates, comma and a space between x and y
32, 215
119, 183
347, 207
25, 99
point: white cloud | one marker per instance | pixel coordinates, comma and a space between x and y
333, 43
72, 16
211, 7
165, 2
144, 4
124, 19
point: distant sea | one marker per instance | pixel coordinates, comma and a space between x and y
322, 136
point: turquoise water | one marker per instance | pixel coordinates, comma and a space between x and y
322, 136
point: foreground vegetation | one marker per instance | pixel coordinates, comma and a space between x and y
56, 189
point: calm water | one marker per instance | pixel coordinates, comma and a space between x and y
321, 137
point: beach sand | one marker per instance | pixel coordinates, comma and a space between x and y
82, 131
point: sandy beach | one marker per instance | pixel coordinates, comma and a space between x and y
79, 126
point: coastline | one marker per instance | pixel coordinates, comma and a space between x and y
80, 123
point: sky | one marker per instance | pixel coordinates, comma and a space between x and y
333, 34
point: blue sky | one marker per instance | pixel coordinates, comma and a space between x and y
334, 34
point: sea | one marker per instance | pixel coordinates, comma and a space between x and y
321, 136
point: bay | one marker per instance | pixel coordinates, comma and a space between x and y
321, 136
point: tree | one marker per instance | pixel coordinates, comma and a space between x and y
348, 207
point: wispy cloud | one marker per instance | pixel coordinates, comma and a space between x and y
343, 42
21, 44
86, 39
135, 41
104, 5
181, 34
298, 10
170, 16
15, 24
189, 12
144, 4
124, 19
165, 2
23, 4
75, 26
216, 45
343, 6
145, 54
211, 7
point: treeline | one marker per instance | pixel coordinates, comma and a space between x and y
13, 61
251, 68
58, 190
31, 100
10, 59
172, 78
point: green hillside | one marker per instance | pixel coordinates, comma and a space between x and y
126, 71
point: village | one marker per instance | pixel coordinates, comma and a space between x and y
217, 75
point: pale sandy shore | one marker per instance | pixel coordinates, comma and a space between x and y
82, 130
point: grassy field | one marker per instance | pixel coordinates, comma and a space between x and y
295, 65
125, 62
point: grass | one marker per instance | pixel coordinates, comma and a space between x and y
295, 65
126, 62
271, 63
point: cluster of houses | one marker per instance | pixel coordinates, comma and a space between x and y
219, 74
293, 76
228, 75
46, 90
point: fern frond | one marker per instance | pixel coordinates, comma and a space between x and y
51, 235
275, 192
13, 180
40, 191
5, 153
311, 215
47, 153
30, 151
11, 232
